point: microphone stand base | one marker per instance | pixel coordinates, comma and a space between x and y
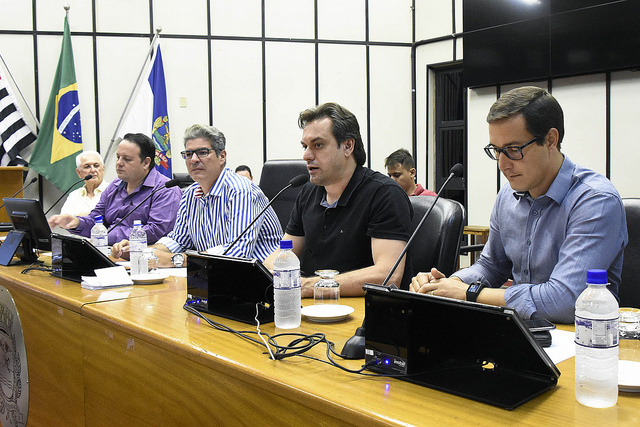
354, 347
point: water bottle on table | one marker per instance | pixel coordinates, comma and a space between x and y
596, 343
137, 244
286, 287
99, 236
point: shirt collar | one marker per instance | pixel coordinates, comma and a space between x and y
560, 185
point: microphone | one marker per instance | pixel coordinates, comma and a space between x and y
354, 347
86, 178
34, 179
168, 184
296, 181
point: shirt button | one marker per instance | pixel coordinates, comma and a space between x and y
535, 213
526, 272
529, 242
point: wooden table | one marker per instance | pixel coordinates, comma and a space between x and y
478, 235
143, 360
50, 313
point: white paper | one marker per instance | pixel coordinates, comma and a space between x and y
562, 346
107, 278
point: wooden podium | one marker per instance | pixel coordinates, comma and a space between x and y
10, 183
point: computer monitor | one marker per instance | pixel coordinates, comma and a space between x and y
28, 220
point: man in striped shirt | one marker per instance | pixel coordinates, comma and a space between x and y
217, 207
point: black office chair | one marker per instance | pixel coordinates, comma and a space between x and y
276, 175
629, 291
437, 244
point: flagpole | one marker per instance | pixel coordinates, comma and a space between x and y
15, 83
147, 59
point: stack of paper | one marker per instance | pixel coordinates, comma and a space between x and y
109, 277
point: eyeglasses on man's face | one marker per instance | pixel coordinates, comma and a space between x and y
200, 152
513, 152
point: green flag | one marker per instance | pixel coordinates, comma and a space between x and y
60, 137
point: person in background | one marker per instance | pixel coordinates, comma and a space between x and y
216, 209
553, 222
81, 201
402, 169
137, 178
348, 217
245, 171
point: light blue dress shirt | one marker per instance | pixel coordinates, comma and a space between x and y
549, 243
217, 218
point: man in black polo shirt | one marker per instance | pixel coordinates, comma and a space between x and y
348, 218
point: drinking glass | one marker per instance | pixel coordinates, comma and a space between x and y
326, 290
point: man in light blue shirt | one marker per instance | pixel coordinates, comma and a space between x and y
217, 207
553, 222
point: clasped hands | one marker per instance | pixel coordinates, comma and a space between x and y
436, 283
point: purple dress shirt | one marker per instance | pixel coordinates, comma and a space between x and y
158, 213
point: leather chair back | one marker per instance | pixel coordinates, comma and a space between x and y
437, 244
276, 175
629, 291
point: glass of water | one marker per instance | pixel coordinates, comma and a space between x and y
326, 290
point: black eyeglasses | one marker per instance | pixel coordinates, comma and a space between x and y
512, 152
200, 152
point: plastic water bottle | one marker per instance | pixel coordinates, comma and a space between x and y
137, 244
99, 236
286, 287
597, 343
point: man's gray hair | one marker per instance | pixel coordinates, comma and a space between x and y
80, 156
210, 133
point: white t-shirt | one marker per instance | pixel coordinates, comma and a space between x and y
78, 202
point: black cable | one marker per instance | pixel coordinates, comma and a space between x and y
32, 267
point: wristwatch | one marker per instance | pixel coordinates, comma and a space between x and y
177, 260
474, 290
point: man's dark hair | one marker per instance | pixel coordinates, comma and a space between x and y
401, 157
541, 111
147, 148
344, 126
244, 168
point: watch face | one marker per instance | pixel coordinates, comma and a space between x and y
177, 260
473, 288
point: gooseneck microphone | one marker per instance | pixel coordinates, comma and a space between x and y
168, 184
296, 181
354, 347
34, 179
86, 178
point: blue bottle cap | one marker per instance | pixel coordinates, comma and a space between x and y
597, 277
98, 218
286, 244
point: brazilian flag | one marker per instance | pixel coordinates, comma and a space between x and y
60, 137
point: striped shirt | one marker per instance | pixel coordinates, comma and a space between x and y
217, 218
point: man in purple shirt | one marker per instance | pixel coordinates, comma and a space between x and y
137, 178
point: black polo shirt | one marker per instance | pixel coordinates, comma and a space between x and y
339, 238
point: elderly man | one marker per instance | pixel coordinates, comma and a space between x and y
348, 218
549, 225
137, 178
216, 209
82, 200
402, 169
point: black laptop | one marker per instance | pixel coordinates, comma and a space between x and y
230, 287
473, 350
73, 257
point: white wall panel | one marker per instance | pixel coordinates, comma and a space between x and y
186, 76
121, 16
289, 19
50, 15
17, 15
180, 17
481, 170
290, 89
341, 20
390, 102
433, 19
390, 21
126, 56
17, 51
237, 108
236, 18
583, 100
625, 138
